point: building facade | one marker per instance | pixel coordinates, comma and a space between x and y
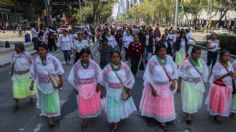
122, 6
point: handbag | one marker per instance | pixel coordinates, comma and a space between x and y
124, 94
56, 82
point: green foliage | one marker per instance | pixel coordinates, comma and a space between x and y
152, 11
95, 12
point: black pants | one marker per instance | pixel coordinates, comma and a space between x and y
77, 57
126, 54
52, 45
211, 58
134, 65
67, 54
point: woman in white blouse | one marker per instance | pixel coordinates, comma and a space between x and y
193, 74
48, 98
127, 39
212, 47
111, 40
23, 86
84, 77
159, 82
219, 99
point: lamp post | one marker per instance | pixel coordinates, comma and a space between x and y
47, 6
176, 13
208, 12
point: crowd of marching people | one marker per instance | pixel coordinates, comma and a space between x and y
164, 57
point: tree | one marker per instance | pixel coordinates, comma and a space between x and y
95, 11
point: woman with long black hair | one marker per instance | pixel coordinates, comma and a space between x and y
181, 48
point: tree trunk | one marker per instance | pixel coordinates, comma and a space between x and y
223, 13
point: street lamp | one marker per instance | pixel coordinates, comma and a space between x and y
47, 6
208, 10
176, 13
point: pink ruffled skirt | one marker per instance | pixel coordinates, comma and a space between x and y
219, 100
88, 106
160, 107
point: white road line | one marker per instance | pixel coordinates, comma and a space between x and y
37, 129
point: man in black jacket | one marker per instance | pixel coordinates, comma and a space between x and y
164, 41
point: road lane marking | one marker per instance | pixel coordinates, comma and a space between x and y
37, 129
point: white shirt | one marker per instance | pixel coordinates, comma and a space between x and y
182, 44
22, 61
34, 33
65, 42
147, 40
174, 36
214, 45
189, 36
111, 41
127, 40
79, 45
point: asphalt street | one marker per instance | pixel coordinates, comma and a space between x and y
27, 119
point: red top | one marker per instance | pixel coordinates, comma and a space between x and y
135, 50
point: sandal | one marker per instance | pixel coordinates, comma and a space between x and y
51, 124
84, 127
163, 126
217, 120
114, 129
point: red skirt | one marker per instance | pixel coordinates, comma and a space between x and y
219, 100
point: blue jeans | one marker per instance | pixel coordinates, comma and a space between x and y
67, 54
35, 41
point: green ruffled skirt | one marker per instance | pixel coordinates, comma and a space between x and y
191, 98
179, 57
234, 103
21, 87
49, 104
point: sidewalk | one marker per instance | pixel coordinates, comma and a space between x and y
10, 36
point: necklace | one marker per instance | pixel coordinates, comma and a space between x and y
224, 64
162, 61
115, 67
